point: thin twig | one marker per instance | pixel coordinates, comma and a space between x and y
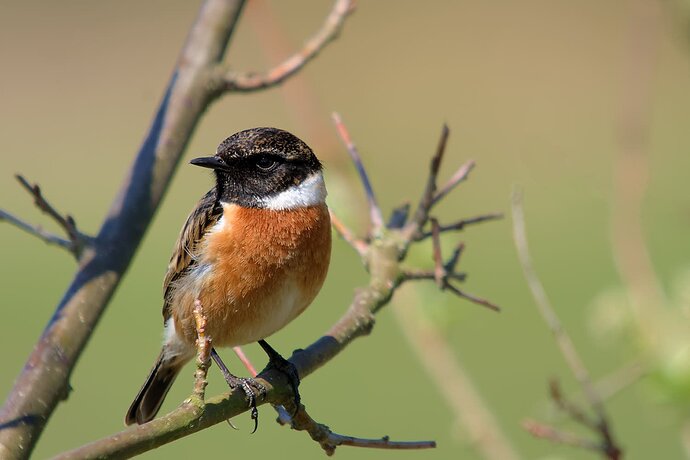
234, 81
608, 446
374, 210
245, 361
75, 242
36, 231
562, 338
203, 347
421, 214
473, 298
543, 431
418, 275
345, 233
460, 175
570, 408
461, 224
439, 270
329, 440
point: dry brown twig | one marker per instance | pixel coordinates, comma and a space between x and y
607, 445
226, 79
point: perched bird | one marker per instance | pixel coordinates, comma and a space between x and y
254, 252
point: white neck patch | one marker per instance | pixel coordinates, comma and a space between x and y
311, 192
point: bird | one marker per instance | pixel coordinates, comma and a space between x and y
254, 251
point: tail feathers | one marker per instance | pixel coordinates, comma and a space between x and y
151, 396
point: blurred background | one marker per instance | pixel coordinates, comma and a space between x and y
584, 105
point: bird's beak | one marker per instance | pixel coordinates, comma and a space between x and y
209, 162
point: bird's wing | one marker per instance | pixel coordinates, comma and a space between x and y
203, 217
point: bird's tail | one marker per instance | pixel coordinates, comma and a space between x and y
151, 396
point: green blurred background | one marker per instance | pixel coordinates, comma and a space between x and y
534, 91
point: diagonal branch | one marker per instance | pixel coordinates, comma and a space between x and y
346, 234
421, 215
374, 209
234, 81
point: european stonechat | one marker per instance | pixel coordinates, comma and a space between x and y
254, 252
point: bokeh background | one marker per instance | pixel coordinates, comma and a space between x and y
542, 94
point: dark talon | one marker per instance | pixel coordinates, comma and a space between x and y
276, 361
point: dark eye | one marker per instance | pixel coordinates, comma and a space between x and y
266, 163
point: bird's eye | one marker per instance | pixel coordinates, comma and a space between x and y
266, 163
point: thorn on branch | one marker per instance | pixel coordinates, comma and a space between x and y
232, 81
376, 219
75, 242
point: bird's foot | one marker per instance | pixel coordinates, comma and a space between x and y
276, 361
251, 387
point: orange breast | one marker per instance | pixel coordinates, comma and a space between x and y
256, 270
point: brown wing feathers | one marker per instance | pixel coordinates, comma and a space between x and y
204, 216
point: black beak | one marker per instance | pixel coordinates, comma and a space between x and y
209, 162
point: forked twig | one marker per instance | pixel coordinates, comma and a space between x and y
443, 272
607, 447
75, 242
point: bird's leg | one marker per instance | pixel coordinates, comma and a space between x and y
286, 367
244, 383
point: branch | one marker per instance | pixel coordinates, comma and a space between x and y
608, 446
36, 230
329, 440
233, 81
203, 346
75, 242
383, 257
461, 224
374, 209
346, 234
421, 215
